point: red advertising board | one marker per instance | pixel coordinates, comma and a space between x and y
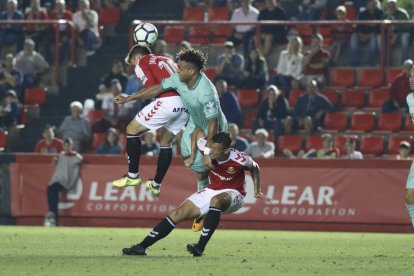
303, 192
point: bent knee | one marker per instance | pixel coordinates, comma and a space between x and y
409, 196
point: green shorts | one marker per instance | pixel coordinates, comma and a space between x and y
410, 178
198, 165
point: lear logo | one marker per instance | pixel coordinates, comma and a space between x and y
289, 195
72, 195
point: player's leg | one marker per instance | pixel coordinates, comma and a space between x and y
53, 190
187, 210
133, 149
409, 193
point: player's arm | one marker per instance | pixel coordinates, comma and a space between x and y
255, 173
143, 94
212, 130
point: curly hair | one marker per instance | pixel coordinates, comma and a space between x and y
193, 56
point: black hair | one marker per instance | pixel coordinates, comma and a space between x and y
193, 56
68, 141
222, 138
49, 127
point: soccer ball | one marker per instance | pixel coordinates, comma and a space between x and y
145, 34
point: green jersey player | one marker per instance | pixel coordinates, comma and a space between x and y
409, 192
201, 99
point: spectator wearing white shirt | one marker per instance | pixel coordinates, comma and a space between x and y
350, 152
86, 25
261, 147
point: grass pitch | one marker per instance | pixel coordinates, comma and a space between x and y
96, 251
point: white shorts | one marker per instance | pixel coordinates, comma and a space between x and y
202, 200
168, 112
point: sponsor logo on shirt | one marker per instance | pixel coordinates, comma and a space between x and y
210, 108
231, 169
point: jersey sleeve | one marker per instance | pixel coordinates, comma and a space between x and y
210, 104
410, 103
170, 83
140, 74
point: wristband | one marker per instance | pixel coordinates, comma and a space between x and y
207, 151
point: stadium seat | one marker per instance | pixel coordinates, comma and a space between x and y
361, 121
339, 141
394, 143
247, 98
336, 121
221, 34
210, 73
343, 77
3, 140
332, 96
294, 96
389, 122
392, 74
248, 118
370, 78
173, 35
35, 96
109, 16
193, 14
94, 116
305, 33
372, 145
377, 98
290, 142
325, 31
351, 13
408, 126
353, 99
215, 14
199, 35
313, 142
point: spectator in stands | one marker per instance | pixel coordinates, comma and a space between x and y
237, 142
350, 150
111, 144
289, 66
400, 33
184, 45
32, 64
76, 127
309, 110
261, 147
230, 66
49, 143
60, 12
9, 110
272, 34
405, 151
243, 34
37, 32
117, 73
86, 24
150, 147
367, 34
315, 62
10, 77
160, 48
229, 100
133, 85
272, 112
255, 70
311, 10
11, 35
399, 89
65, 178
340, 34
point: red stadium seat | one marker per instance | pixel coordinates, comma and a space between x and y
343, 78
371, 78
109, 16
215, 14
290, 142
332, 96
305, 33
336, 121
294, 96
362, 121
351, 13
3, 140
35, 96
389, 122
339, 141
372, 145
199, 35
408, 126
325, 31
353, 99
248, 118
394, 143
248, 98
313, 142
193, 14
210, 73
377, 98
221, 34
94, 116
174, 34
392, 74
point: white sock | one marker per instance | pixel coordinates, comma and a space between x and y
155, 184
133, 175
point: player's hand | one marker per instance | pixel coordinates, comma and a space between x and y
189, 161
119, 99
207, 162
261, 195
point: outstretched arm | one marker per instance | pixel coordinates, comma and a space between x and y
143, 94
255, 172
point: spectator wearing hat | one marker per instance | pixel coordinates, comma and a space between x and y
272, 112
230, 66
10, 77
261, 147
255, 70
86, 24
76, 127
229, 100
9, 110
49, 143
111, 144
405, 151
11, 35
32, 64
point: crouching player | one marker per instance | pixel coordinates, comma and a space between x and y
224, 194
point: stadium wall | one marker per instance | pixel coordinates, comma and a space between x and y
330, 195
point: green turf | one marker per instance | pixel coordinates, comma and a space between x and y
96, 251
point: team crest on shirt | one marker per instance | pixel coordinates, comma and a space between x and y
210, 108
231, 169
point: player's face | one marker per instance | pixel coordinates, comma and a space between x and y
218, 152
185, 72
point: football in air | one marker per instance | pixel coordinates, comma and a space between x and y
145, 34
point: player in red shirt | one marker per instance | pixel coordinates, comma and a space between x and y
167, 111
224, 194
